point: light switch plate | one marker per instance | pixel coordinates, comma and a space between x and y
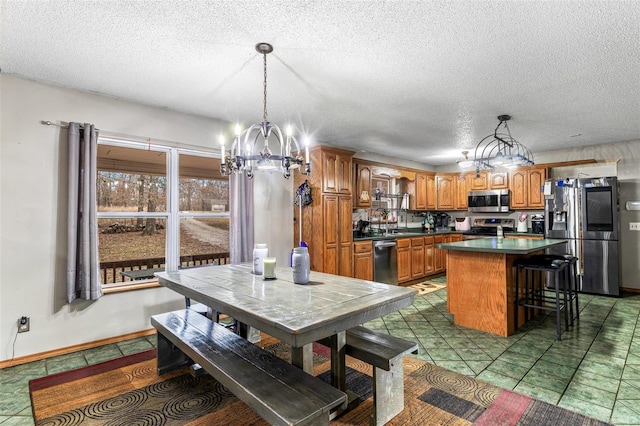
634, 226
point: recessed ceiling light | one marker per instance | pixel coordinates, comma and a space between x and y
576, 135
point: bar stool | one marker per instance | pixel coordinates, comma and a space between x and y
570, 283
533, 294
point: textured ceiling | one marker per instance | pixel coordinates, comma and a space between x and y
419, 80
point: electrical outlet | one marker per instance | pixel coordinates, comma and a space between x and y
23, 324
634, 226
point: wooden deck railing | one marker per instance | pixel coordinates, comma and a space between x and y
111, 272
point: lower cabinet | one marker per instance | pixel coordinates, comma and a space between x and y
429, 256
418, 257
439, 259
363, 260
403, 246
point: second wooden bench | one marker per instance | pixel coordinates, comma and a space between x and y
384, 352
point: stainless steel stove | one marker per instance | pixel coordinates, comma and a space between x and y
488, 227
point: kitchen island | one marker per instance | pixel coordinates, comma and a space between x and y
480, 280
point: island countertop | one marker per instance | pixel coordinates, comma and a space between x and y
502, 245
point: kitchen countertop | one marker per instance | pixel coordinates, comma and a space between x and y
523, 234
404, 234
412, 233
502, 245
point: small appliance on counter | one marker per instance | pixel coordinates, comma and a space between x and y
442, 222
363, 229
537, 224
522, 222
463, 223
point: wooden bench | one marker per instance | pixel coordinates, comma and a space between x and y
279, 392
384, 353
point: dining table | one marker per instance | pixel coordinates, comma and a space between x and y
297, 314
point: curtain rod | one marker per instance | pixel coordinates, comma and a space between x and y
134, 138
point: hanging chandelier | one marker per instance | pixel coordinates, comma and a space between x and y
501, 150
246, 155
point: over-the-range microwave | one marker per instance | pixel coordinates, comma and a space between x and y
491, 201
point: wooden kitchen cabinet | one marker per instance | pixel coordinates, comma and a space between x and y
336, 168
462, 184
338, 235
438, 254
432, 194
417, 258
421, 191
363, 260
403, 246
362, 186
498, 180
519, 188
441, 255
429, 256
327, 224
479, 181
445, 192
526, 188
536, 181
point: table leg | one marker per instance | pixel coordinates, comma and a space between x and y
338, 362
302, 357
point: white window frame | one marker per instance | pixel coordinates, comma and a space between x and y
172, 215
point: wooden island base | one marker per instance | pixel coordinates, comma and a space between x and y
480, 291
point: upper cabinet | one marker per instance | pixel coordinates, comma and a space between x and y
526, 188
421, 191
336, 171
536, 182
498, 180
446, 192
478, 181
432, 194
462, 183
362, 186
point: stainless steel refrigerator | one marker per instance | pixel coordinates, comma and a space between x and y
585, 211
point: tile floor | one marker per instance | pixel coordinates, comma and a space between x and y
594, 370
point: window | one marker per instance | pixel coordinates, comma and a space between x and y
158, 208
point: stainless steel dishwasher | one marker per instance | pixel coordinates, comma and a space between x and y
385, 262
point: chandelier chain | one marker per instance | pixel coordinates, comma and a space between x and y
264, 115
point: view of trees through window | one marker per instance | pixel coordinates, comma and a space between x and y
133, 194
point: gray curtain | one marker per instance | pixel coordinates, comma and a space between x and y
83, 264
241, 218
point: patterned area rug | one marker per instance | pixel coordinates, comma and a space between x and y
128, 391
430, 285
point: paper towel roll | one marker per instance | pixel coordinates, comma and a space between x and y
405, 202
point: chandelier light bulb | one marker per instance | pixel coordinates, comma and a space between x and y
238, 130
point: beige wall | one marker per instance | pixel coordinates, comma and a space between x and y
33, 214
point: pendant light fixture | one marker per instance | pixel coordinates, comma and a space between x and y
501, 150
466, 162
247, 155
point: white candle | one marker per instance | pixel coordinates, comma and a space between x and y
269, 268
222, 146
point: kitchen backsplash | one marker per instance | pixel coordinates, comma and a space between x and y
412, 219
